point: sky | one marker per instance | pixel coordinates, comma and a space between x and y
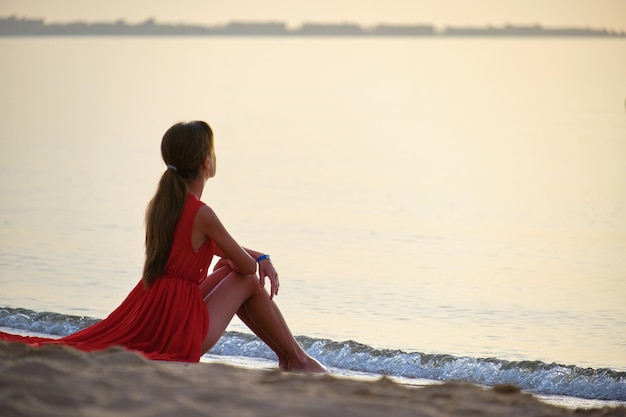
607, 14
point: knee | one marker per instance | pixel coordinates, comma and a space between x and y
250, 280
254, 283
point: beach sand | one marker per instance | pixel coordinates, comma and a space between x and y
59, 381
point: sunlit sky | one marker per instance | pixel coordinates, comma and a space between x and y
609, 14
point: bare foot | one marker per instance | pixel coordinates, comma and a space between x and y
310, 365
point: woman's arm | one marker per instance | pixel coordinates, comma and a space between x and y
211, 226
241, 260
253, 253
266, 270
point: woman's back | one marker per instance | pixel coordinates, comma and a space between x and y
184, 261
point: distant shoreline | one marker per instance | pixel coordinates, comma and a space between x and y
19, 27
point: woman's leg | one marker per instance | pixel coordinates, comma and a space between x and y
211, 282
244, 316
230, 293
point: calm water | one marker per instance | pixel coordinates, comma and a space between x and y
445, 196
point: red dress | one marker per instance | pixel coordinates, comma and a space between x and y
169, 320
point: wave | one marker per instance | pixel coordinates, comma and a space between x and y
532, 376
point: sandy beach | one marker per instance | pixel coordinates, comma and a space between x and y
58, 381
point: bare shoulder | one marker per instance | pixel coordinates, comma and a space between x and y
207, 219
205, 210
205, 215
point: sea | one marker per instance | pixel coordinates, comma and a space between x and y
437, 208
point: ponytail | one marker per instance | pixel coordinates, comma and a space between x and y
162, 215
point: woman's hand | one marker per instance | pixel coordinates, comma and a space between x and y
266, 270
223, 261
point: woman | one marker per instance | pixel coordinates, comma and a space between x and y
178, 312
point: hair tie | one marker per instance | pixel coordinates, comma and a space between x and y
173, 168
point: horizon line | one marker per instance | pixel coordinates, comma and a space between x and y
19, 26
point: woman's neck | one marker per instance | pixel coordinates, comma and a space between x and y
195, 187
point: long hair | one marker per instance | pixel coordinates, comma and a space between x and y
184, 148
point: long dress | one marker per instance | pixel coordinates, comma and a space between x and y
168, 320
